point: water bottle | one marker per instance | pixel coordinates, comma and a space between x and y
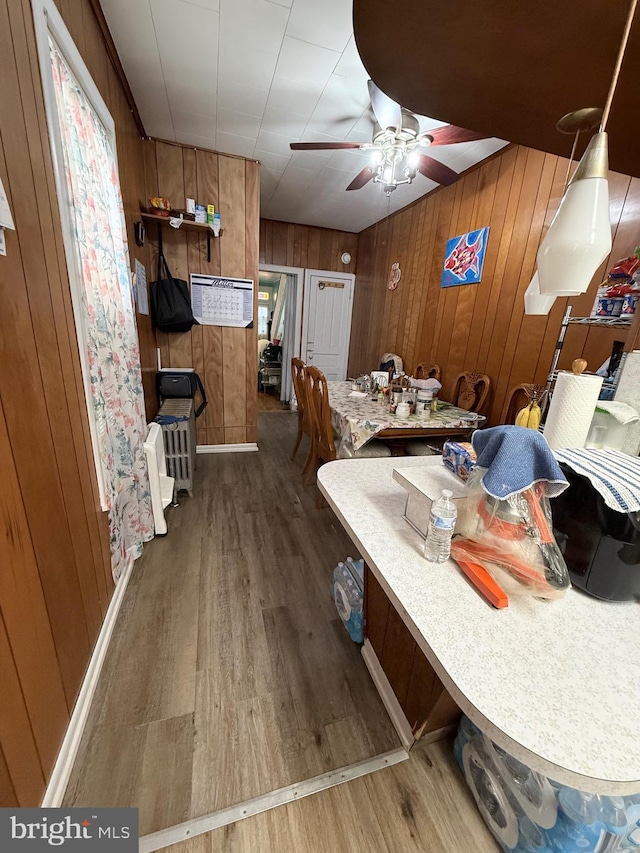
442, 521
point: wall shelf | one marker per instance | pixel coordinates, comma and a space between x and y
186, 225
624, 322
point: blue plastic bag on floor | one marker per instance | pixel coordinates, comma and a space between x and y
347, 590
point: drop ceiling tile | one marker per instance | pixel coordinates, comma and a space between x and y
238, 124
360, 135
211, 5
274, 143
340, 107
299, 60
251, 33
191, 99
327, 23
131, 26
296, 95
350, 65
314, 160
242, 99
188, 122
298, 176
187, 37
158, 126
275, 162
228, 143
284, 123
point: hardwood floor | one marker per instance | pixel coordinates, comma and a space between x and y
418, 806
229, 674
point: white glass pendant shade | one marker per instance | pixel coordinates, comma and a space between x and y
534, 301
579, 238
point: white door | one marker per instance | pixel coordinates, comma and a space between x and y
326, 328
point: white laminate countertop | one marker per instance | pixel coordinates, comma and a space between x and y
556, 684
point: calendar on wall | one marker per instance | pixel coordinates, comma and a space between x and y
218, 301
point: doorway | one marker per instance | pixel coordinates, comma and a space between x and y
280, 290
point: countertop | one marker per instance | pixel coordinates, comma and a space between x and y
556, 684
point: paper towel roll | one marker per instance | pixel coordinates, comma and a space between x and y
571, 410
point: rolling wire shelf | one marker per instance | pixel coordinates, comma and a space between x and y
568, 320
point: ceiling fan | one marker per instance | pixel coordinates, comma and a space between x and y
396, 155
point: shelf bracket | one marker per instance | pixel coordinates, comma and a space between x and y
209, 245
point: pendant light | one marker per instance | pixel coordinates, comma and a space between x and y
534, 301
575, 123
579, 238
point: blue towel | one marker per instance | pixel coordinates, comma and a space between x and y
166, 420
515, 458
615, 475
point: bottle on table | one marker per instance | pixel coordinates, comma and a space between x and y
442, 521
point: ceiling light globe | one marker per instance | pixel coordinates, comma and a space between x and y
534, 301
579, 238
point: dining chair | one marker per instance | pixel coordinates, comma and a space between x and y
471, 391
323, 447
519, 397
298, 370
427, 371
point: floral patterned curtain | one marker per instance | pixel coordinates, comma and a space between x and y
111, 334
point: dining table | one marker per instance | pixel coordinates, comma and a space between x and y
357, 418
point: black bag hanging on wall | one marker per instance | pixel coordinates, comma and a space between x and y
170, 302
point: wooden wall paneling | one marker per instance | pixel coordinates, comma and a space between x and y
86, 499
47, 292
511, 175
521, 337
16, 736
306, 246
502, 345
7, 791
252, 254
232, 261
25, 402
497, 190
458, 321
25, 615
429, 224
503, 286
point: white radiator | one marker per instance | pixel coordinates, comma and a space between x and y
179, 442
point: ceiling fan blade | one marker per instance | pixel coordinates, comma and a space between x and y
322, 146
451, 135
436, 171
387, 112
361, 179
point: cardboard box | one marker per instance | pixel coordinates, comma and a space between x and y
459, 457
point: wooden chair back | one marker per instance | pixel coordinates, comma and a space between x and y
518, 398
471, 391
298, 370
318, 400
428, 371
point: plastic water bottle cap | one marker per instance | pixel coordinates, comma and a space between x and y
446, 493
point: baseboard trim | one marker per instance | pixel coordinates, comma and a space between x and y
59, 780
226, 448
389, 699
200, 825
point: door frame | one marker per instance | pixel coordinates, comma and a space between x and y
299, 274
345, 276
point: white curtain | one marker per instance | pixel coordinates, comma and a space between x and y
286, 388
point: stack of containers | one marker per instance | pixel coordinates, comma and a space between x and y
529, 813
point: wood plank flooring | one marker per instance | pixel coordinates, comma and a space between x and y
418, 806
229, 674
